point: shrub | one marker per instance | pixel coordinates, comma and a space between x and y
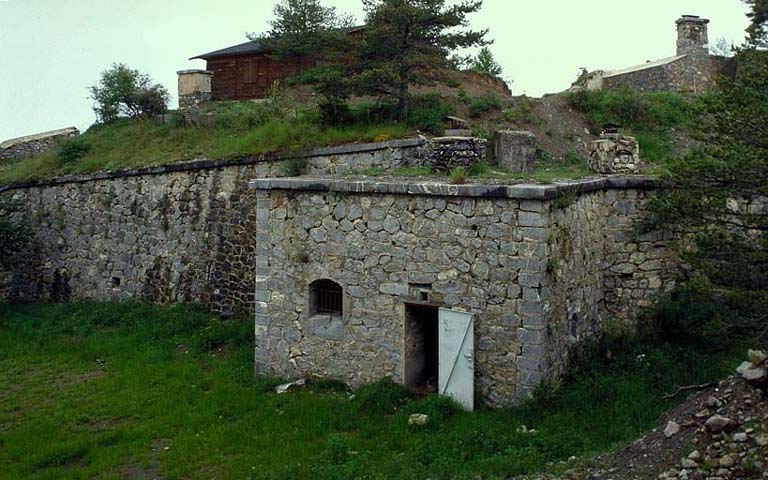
632, 109
125, 92
241, 116
295, 166
427, 112
74, 149
521, 112
479, 106
439, 408
382, 398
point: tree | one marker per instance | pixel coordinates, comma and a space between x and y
125, 92
304, 29
757, 33
718, 197
408, 42
485, 63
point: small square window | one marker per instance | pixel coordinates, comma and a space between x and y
326, 298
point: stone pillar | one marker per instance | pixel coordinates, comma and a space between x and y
614, 153
194, 88
515, 150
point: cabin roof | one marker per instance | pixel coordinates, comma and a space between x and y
251, 47
643, 66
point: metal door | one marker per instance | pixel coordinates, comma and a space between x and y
457, 356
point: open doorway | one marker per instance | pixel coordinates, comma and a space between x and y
421, 347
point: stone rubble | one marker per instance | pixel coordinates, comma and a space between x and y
722, 435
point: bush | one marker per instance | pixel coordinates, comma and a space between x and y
479, 106
384, 397
73, 149
521, 113
125, 92
246, 115
295, 166
632, 109
427, 112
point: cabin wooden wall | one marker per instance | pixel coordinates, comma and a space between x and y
249, 76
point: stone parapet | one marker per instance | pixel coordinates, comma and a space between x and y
614, 154
34, 144
519, 191
515, 150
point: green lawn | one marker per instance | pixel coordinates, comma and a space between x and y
137, 391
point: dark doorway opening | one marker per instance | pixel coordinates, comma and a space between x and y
421, 347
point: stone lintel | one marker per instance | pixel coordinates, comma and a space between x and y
519, 191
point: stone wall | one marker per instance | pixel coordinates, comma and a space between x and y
176, 237
687, 74
178, 232
34, 144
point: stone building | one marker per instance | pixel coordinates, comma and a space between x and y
691, 69
479, 291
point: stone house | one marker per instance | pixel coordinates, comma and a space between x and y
474, 291
691, 69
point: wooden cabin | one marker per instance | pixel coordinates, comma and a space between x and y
247, 71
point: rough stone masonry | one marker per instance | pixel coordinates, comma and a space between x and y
540, 267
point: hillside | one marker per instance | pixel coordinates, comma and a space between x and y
291, 122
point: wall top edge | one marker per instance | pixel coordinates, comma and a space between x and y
521, 191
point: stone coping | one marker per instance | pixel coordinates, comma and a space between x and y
518, 191
38, 136
209, 164
194, 71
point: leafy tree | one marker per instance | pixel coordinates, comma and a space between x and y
719, 197
757, 33
15, 236
408, 42
305, 29
485, 63
125, 92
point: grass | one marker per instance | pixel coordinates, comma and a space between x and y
130, 390
648, 116
237, 131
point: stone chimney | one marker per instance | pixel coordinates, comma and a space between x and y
194, 88
692, 36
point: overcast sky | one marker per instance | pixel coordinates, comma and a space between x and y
52, 50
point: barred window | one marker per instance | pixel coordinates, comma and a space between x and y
326, 298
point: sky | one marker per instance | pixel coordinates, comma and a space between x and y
51, 51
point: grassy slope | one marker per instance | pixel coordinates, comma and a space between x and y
106, 391
276, 126
128, 144
650, 117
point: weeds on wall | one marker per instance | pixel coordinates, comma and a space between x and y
459, 175
15, 233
